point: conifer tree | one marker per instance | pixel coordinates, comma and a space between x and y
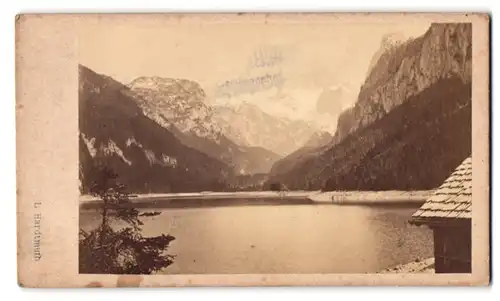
106, 250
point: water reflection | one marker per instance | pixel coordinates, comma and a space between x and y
287, 238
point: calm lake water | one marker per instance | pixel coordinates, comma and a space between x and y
300, 238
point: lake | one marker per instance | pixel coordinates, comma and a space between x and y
282, 238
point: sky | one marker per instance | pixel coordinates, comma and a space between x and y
282, 67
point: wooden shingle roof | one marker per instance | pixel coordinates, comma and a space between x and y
452, 200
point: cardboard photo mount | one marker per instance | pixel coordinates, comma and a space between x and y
47, 52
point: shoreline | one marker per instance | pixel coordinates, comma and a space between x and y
283, 197
372, 197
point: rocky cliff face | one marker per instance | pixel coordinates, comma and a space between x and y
389, 42
405, 70
146, 156
176, 102
178, 105
248, 125
410, 127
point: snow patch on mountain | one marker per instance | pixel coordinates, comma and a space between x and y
111, 148
90, 143
131, 141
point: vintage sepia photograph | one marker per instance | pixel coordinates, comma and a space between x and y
252, 149
275, 148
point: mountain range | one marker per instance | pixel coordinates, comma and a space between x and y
408, 129
113, 131
410, 126
246, 124
159, 135
178, 105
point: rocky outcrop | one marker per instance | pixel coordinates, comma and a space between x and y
410, 126
405, 70
178, 105
176, 102
389, 42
